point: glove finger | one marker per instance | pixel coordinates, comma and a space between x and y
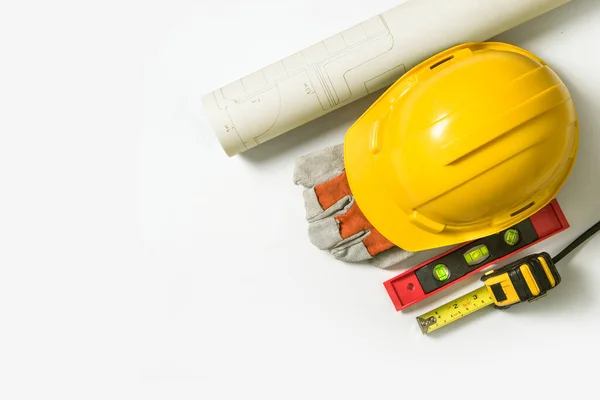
324, 233
314, 211
324, 229
390, 257
354, 221
352, 249
312, 207
320, 166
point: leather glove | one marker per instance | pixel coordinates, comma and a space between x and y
335, 223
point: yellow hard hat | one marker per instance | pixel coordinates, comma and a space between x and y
465, 145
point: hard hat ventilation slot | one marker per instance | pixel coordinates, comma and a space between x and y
527, 207
437, 64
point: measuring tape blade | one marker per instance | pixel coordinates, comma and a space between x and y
455, 310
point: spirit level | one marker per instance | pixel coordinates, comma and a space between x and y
458, 263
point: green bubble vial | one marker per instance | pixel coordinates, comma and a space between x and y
441, 272
511, 237
477, 255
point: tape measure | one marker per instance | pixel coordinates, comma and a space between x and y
527, 279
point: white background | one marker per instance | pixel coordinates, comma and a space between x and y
137, 261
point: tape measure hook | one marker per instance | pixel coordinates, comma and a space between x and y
425, 323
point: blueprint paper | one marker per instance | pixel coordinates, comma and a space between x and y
354, 63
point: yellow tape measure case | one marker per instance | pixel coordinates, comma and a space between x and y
524, 280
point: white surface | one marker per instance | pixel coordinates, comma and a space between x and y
353, 63
138, 261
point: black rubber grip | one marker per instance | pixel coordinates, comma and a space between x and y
518, 281
542, 280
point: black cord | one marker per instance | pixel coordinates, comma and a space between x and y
584, 236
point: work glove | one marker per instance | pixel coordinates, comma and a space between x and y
335, 223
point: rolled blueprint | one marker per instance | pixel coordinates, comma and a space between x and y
354, 63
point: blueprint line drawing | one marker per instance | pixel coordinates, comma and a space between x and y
352, 64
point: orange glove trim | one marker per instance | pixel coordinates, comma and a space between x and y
332, 191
